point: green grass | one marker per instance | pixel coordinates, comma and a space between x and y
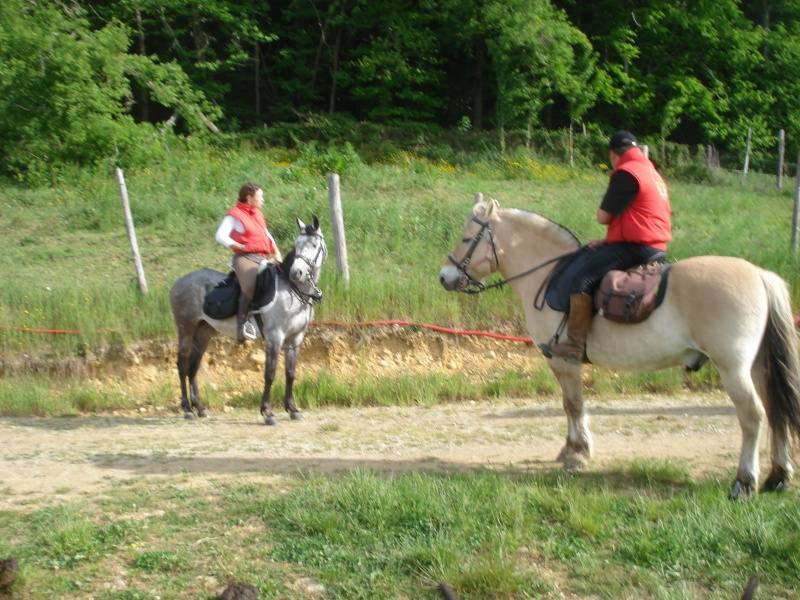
67, 263
646, 529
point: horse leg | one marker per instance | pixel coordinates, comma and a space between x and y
183, 374
780, 443
201, 339
272, 351
750, 412
290, 358
577, 450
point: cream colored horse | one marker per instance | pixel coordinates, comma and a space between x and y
721, 308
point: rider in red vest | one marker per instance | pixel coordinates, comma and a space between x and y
244, 230
637, 212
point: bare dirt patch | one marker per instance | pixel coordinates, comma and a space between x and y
85, 456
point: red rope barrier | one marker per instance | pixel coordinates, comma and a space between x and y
60, 331
426, 326
316, 323
447, 330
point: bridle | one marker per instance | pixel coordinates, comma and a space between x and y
474, 286
314, 266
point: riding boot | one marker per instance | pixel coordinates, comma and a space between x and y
580, 317
241, 317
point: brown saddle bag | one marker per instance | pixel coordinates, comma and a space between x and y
629, 296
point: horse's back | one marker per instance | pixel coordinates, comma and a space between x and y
187, 293
722, 299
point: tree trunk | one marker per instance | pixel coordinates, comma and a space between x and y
257, 78
335, 60
142, 98
477, 87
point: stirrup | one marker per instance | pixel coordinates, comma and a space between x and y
249, 330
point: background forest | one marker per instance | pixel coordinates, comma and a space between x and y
100, 81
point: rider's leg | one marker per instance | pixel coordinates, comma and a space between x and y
581, 310
246, 272
587, 271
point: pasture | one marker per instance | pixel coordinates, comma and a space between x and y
406, 471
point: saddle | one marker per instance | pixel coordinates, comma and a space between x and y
222, 301
631, 296
622, 296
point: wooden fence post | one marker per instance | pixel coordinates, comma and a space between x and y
781, 150
747, 153
337, 225
126, 209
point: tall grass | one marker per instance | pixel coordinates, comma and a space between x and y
67, 263
69, 286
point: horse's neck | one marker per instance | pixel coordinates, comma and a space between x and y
525, 240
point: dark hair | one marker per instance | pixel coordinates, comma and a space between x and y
248, 189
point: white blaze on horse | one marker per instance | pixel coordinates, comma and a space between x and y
719, 308
283, 322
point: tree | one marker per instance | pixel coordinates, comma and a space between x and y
538, 56
65, 91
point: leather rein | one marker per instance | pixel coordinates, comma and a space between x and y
474, 286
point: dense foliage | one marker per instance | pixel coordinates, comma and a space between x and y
96, 81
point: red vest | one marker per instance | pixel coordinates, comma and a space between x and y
255, 236
647, 220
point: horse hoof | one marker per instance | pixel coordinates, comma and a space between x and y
270, 420
775, 483
204, 414
571, 460
189, 416
296, 416
740, 491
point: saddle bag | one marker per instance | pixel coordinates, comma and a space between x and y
629, 296
222, 301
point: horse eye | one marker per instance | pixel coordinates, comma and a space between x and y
466, 240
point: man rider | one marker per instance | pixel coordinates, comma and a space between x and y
637, 212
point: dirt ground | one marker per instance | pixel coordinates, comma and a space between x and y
46, 459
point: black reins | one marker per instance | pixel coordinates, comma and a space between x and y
476, 287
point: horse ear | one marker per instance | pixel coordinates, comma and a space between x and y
300, 224
316, 223
491, 206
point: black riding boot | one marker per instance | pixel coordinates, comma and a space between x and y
241, 317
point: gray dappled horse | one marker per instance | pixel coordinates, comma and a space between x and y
282, 323
716, 307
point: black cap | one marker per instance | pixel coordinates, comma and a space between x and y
622, 139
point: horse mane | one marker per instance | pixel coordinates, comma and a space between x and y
286, 265
543, 226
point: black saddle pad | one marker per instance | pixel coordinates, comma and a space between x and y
222, 300
266, 285
557, 293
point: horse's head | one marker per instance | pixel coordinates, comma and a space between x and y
475, 257
310, 252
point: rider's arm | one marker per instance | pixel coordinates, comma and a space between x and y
223, 235
622, 189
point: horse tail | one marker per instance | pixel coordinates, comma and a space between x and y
783, 369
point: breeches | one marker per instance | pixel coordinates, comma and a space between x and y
246, 272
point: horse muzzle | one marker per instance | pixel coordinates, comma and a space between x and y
451, 280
